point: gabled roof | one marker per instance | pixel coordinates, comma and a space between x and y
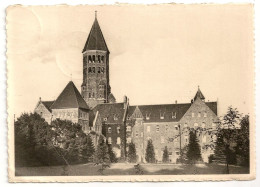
47, 104
170, 112
199, 95
70, 98
95, 39
110, 111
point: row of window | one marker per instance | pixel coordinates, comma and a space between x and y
199, 114
109, 130
93, 58
93, 70
118, 140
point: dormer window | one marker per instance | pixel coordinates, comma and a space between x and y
147, 116
115, 117
161, 115
173, 115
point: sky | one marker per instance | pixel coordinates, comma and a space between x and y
158, 53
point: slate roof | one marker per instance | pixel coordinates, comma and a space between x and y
107, 112
199, 95
95, 39
166, 110
48, 104
213, 106
70, 98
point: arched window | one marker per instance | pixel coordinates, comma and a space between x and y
98, 69
99, 59
93, 58
102, 59
89, 59
93, 70
90, 70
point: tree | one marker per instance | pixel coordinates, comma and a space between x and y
149, 155
101, 156
242, 147
131, 153
165, 155
112, 155
193, 152
226, 137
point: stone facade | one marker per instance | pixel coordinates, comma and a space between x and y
43, 110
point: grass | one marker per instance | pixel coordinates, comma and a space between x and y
128, 169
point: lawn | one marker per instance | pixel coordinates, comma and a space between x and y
128, 169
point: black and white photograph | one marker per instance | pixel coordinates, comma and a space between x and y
130, 92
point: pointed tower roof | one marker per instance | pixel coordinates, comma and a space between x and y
199, 95
95, 39
70, 98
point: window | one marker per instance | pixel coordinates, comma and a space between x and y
161, 115
147, 117
93, 70
118, 130
199, 114
177, 153
102, 70
83, 88
118, 140
166, 128
100, 96
157, 128
105, 119
162, 139
115, 117
109, 130
192, 114
205, 114
89, 59
203, 125
204, 139
98, 70
186, 138
174, 115
148, 129
89, 95
176, 127
102, 59
136, 134
98, 58
109, 140
93, 58
90, 70
128, 140
128, 128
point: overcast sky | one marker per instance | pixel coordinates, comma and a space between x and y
158, 54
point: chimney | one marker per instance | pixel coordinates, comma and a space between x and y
125, 102
176, 102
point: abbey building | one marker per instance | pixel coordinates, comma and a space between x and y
96, 109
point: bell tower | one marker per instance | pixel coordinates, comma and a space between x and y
95, 87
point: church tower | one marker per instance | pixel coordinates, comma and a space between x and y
95, 87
